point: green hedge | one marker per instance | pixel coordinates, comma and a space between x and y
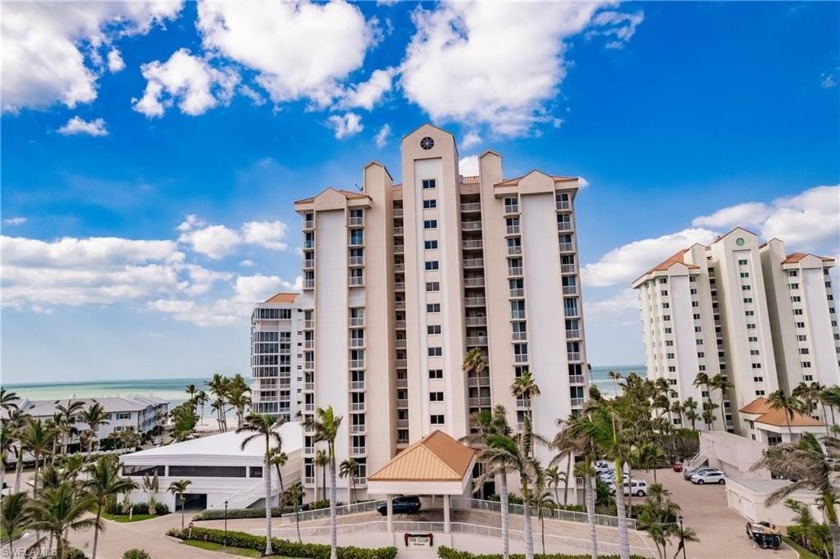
276, 512
115, 509
281, 547
449, 553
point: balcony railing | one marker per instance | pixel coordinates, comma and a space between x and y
511, 208
309, 386
355, 221
519, 336
576, 379
308, 324
399, 286
402, 403
402, 383
483, 402
398, 231
309, 344
577, 402
309, 365
473, 282
308, 264
567, 247
477, 340
475, 382
356, 281
309, 451
309, 284
398, 212
402, 363
567, 268
357, 363
517, 292
471, 207
476, 321
357, 342
473, 263
572, 334
308, 407
564, 226
515, 271
357, 450
399, 305
471, 225
357, 385
399, 344
356, 261
309, 224
399, 267
402, 424
357, 406
520, 358
518, 314
523, 402
513, 250
475, 301
399, 324
473, 244
512, 229
564, 205
399, 249
570, 290
358, 428
355, 321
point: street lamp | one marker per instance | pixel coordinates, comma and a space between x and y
682, 535
226, 505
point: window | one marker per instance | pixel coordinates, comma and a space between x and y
429, 183
430, 245
430, 224
436, 396
750, 326
748, 300
792, 273
761, 393
749, 313
801, 338
668, 330
806, 364
429, 204
701, 354
663, 292
435, 351
804, 351
666, 305
672, 370
693, 291
808, 378
696, 316
742, 262
124, 415
669, 356
666, 317
754, 352
802, 325
669, 343
745, 288
433, 307
745, 274
752, 339
758, 379
793, 285
699, 341
433, 329
433, 286
795, 299
436, 419
695, 303
663, 280
432, 265
435, 373
797, 312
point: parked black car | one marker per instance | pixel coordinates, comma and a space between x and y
406, 504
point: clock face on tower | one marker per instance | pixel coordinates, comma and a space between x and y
427, 143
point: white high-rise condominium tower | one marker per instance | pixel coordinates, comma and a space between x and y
275, 354
760, 319
401, 281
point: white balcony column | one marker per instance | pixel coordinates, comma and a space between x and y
389, 503
446, 524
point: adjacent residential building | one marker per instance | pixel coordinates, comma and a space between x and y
401, 281
275, 353
747, 312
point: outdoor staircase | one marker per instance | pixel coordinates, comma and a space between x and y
696, 461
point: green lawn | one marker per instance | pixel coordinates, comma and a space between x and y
125, 517
211, 546
803, 553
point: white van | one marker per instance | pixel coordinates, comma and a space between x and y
636, 487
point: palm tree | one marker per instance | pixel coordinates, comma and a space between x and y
37, 438
585, 471
504, 454
104, 484
278, 460
810, 462
65, 418
541, 500
553, 478
350, 468
13, 516
474, 363
615, 377
265, 426
94, 416
219, 388
322, 460
151, 486
524, 387
778, 400
831, 397
690, 409
8, 401
566, 446
178, 488
191, 391
238, 397
650, 456
702, 380
720, 383
7, 443
294, 494
325, 429
60, 509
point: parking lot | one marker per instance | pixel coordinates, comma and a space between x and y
720, 529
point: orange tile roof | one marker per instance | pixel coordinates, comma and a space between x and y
515, 182
436, 457
470, 180
349, 194
759, 405
282, 298
670, 261
796, 257
779, 419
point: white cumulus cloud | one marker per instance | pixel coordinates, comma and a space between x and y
115, 61
383, 135
215, 241
468, 166
52, 51
366, 95
471, 139
348, 125
77, 125
300, 50
14, 221
191, 81
268, 234
219, 241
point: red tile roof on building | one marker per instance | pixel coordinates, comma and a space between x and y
663, 266
349, 194
769, 416
797, 257
436, 457
282, 298
515, 182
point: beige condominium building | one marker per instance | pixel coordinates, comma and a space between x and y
760, 318
276, 327
402, 280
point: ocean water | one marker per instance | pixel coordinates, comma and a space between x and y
598, 376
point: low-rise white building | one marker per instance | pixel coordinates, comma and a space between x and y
220, 471
747, 497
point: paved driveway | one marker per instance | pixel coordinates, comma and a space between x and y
720, 529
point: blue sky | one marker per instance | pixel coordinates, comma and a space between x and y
151, 152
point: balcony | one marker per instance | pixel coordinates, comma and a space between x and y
473, 282
567, 247
357, 363
309, 365
515, 271
309, 451
473, 341
356, 221
309, 264
309, 245
358, 450
356, 281
576, 379
570, 289
519, 336
309, 224
511, 209
577, 402
357, 342
402, 403
308, 324
480, 402
399, 249
564, 226
475, 301
476, 321
309, 284
402, 363
358, 428
471, 207
471, 225
399, 344
399, 305
357, 385
357, 406
520, 358
473, 263
523, 402
567, 268
564, 205
309, 344
309, 407
514, 250
308, 480
516, 293
512, 229
402, 424
518, 314
399, 267
399, 324
399, 286
473, 244
356, 261
398, 212
356, 321
398, 231
572, 334
402, 383
309, 386
477, 382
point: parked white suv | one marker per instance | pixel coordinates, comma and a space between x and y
635, 487
708, 476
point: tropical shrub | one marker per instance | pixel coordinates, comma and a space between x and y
135, 553
115, 509
449, 553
